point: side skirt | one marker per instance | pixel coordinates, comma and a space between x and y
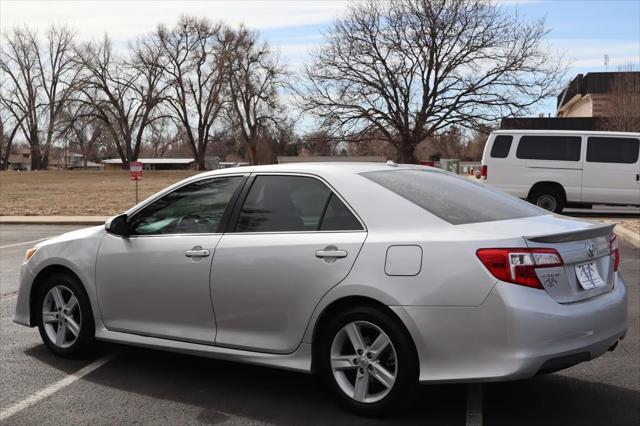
299, 360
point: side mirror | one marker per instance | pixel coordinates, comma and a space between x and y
117, 225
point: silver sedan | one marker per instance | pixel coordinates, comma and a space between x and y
374, 276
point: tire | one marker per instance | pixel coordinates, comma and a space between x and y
76, 339
346, 373
550, 198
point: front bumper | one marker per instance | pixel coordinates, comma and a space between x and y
23, 308
516, 333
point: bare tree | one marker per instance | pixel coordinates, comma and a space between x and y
41, 82
625, 102
195, 53
8, 132
123, 92
254, 77
411, 68
81, 129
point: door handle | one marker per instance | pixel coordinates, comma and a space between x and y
197, 251
331, 253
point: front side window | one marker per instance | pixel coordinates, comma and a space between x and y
292, 203
612, 150
195, 208
501, 146
452, 198
559, 148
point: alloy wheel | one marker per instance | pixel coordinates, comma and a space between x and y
363, 361
61, 316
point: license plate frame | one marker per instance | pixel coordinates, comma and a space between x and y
588, 276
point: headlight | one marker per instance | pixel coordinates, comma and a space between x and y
30, 253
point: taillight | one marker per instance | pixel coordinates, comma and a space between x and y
518, 265
483, 172
615, 252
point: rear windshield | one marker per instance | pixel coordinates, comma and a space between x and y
452, 198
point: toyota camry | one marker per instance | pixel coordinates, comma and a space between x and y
376, 277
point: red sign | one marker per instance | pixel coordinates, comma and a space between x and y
135, 167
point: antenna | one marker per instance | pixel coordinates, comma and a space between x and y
606, 62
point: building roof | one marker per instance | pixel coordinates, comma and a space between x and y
593, 82
153, 161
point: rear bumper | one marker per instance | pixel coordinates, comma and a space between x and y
516, 333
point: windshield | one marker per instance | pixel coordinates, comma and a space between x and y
452, 198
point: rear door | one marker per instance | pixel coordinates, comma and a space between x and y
611, 170
292, 240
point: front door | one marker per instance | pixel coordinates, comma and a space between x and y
293, 240
611, 172
155, 282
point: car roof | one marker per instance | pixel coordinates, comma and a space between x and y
314, 168
561, 132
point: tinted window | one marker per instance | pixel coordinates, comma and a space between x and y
501, 146
563, 148
612, 150
192, 209
452, 198
338, 217
283, 203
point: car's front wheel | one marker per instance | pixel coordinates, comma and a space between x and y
64, 317
368, 360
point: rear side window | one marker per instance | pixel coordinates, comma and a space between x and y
612, 150
560, 148
338, 217
501, 146
293, 203
452, 198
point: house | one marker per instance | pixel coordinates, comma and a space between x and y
593, 101
20, 159
153, 163
594, 94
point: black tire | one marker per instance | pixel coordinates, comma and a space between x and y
548, 198
84, 343
406, 378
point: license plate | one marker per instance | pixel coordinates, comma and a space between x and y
588, 276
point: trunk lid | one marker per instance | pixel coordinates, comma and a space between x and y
585, 252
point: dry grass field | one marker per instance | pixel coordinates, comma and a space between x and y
82, 193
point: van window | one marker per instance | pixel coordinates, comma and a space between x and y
560, 148
501, 146
612, 150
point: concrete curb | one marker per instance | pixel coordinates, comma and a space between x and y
53, 220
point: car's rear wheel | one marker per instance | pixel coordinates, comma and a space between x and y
64, 316
368, 360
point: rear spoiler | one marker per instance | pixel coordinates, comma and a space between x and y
581, 234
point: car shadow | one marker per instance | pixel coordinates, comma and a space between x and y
555, 399
68, 366
223, 389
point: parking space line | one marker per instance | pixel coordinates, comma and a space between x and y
26, 242
474, 404
8, 295
54, 387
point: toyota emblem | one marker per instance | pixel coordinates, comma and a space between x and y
591, 249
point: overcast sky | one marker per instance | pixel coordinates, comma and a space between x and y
585, 30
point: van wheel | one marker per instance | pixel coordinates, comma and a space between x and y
551, 199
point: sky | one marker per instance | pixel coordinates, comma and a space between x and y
584, 30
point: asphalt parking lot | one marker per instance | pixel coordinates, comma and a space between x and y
124, 385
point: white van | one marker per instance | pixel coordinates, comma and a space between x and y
558, 168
